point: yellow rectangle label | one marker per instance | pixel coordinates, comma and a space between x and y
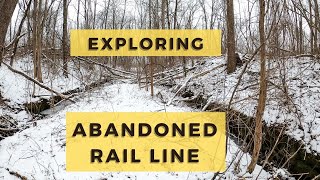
129, 42
146, 141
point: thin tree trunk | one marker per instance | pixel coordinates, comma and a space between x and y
262, 93
19, 32
39, 41
231, 45
311, 28
316, 25
301, 35
64, 38
163, 13
107, 12
168, 16
78, 13
94, 14
123, 15
175, 15
35, 38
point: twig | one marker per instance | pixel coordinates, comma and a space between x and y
317, 177
270, 153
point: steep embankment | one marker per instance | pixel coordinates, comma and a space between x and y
291, 118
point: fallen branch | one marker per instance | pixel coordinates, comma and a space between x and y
305, 55
110, 69
43, 104
6, 118
38, 83
179, 90
173, 69
317, 177
16, 174
9, 129
171, 76
193, 77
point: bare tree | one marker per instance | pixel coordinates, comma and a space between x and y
231, 44
263, 91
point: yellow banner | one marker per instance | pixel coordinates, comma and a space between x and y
146, 141
136, 42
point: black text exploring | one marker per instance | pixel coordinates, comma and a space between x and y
145, 44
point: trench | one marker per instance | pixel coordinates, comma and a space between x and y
299, 163
39, 107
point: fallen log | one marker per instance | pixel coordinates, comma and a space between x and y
173, 69
110, 69
173, 76
37, 82
16, 174
46, 103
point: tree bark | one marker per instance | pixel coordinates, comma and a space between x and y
37, 33
231, 44
64, 38
316, 26
262, 93
16, 41
311, 27
6, 10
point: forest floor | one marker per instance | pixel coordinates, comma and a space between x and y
38, 152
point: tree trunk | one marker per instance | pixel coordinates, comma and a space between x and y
37, 40
262, 93
163, 13
78, 14
301, 36
316, 26
64, 38
311, 28
6, 10
175, 15
231, 45
15, 46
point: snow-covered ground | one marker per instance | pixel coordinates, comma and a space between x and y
39, 152
19, 90
293, 93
